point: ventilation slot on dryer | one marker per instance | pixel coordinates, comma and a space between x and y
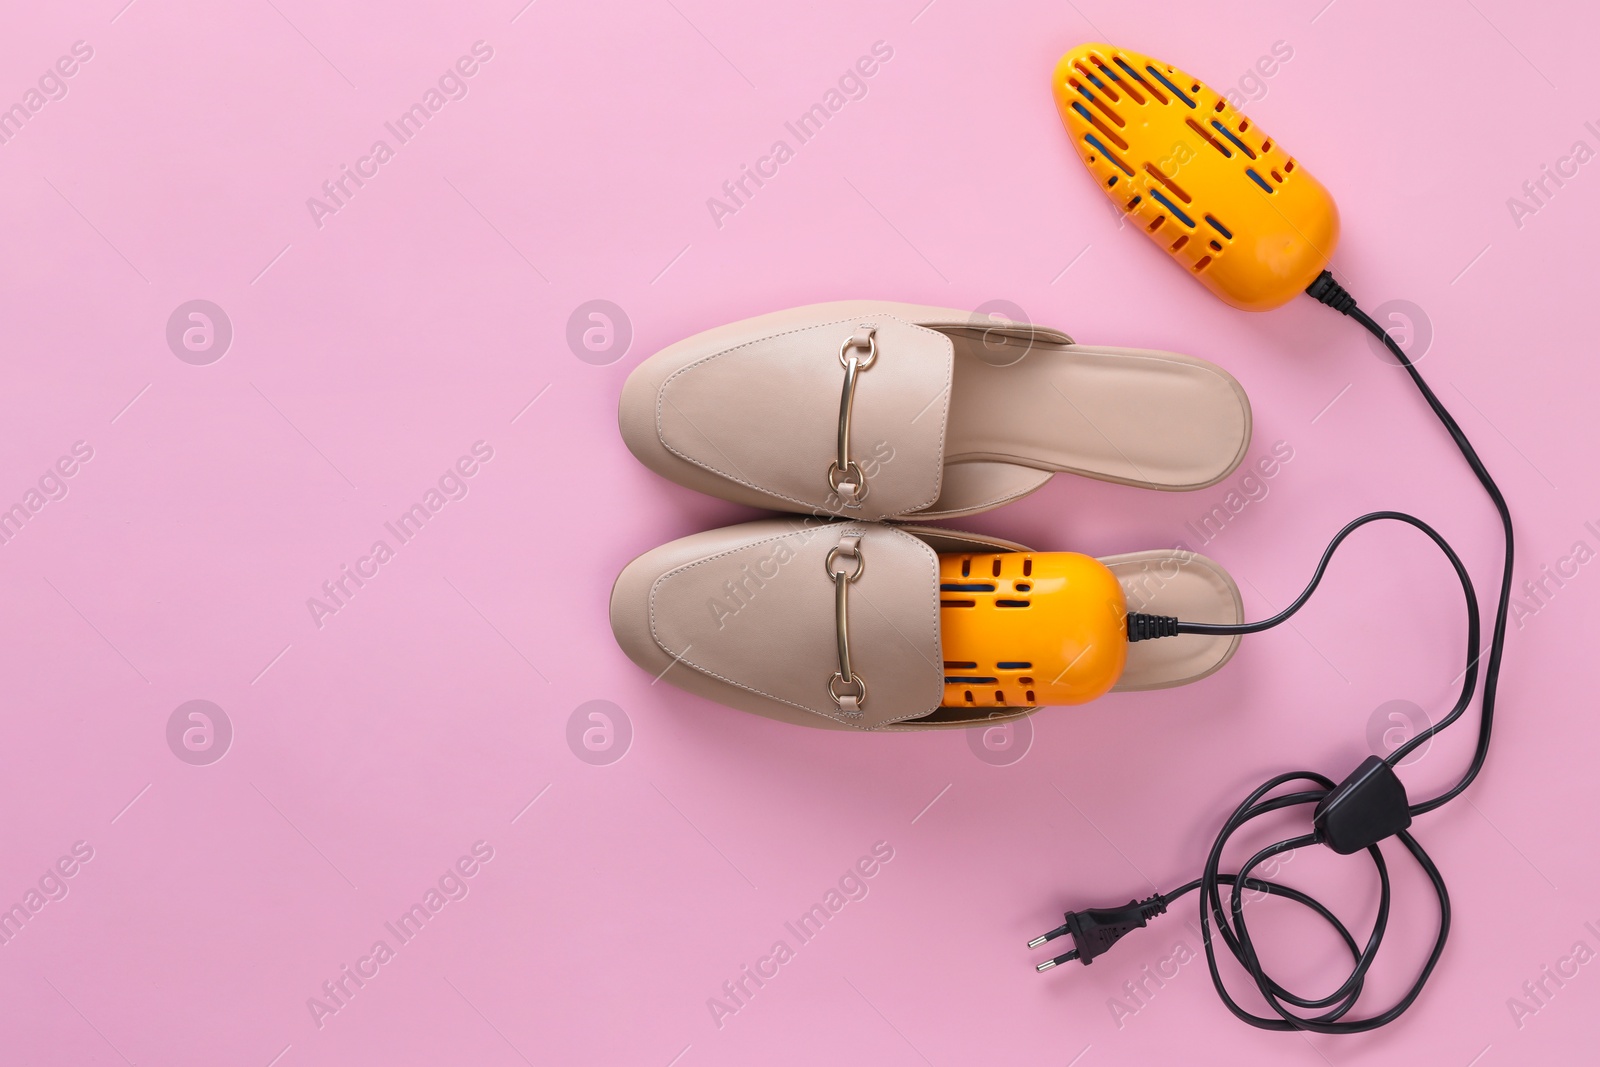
1095, 80
1230, 135
1110, 134
1102, 89
1177, 190
1173, 89
1151, 89
1208, 139
1133, 94
1094, 142
1177, 212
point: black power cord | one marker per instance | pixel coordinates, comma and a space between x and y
1350, 816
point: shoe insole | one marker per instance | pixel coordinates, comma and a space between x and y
1187, 586
1144, 418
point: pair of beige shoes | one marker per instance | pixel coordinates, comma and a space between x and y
866, 419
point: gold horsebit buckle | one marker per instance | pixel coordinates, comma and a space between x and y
845, 476
848, 690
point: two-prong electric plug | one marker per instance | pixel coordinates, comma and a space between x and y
1097, 929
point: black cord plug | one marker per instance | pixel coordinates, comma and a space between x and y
1327, 291
1142, 627
1097, 929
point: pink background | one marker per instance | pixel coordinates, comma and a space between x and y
425, 315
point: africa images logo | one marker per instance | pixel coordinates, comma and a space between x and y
737, 192
51, 86
337, 192
51, 486
852, 885
453, 885
453, 484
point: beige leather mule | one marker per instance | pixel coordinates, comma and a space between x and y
753, 616
877, 410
